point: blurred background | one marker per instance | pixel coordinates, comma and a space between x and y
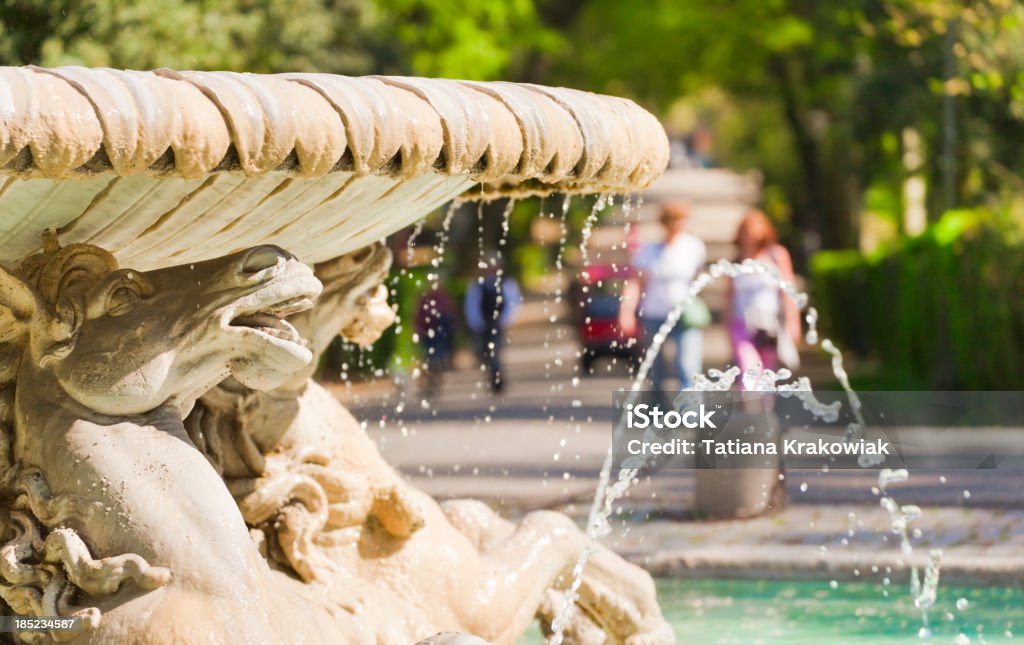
883, 136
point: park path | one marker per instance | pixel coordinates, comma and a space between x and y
541, 445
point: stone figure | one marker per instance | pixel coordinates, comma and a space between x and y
320, 499
109, 511
269, 517
272, 518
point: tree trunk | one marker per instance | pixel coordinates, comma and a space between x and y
824, 198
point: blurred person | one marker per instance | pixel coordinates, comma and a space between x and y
700, 144
664, 272
435, 326
490, 305
764, 324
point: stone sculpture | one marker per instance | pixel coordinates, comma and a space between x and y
320, 498
113, 511
164, 168
99, 465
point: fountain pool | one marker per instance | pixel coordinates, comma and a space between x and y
763, 611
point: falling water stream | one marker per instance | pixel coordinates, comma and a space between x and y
900, 517
609, 492
602, 202
506, 215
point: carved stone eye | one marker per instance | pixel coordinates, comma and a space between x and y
121, 299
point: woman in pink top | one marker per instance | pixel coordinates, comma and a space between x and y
763, 323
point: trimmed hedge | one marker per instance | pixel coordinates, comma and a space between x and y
942, 310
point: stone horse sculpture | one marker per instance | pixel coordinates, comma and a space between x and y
110, 513
110, 509
312, 485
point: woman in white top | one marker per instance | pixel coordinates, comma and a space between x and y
764, 324
665, 271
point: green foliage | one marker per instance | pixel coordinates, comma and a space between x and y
940, 310
243, 35
479, 39
534, 262
788, 66
406, 289
816, 94
973, 52
396, 351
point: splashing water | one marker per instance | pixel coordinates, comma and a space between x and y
410, 245
630, 203
602, 202
609, 492
432, 373
563, 230
500, 270
442, 242
564, 234
900, 518
480, 228
483, 263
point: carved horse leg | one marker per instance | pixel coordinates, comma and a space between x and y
615, 596
140, 526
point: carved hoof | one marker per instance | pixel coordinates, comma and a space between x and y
453, 638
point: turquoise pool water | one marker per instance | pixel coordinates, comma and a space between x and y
733, 611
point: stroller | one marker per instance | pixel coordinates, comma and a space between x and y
596, 296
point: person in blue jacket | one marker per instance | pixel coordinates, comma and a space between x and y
490, 305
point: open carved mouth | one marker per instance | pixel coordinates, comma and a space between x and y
270, 321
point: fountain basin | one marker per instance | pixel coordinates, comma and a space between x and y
166, 167
159, 305
743, 611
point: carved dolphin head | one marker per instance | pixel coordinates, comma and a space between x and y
124, 342
354, 302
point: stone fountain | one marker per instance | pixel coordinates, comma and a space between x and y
169, 472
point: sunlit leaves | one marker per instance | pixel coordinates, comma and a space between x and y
479, 39
250, 35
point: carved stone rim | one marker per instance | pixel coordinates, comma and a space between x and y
71, 122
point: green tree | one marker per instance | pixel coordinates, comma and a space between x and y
799, 55
243, 35
478, 40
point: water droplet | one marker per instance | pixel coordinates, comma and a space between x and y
962, 604
889, 476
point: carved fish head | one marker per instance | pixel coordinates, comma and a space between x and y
124, 342
354, 302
